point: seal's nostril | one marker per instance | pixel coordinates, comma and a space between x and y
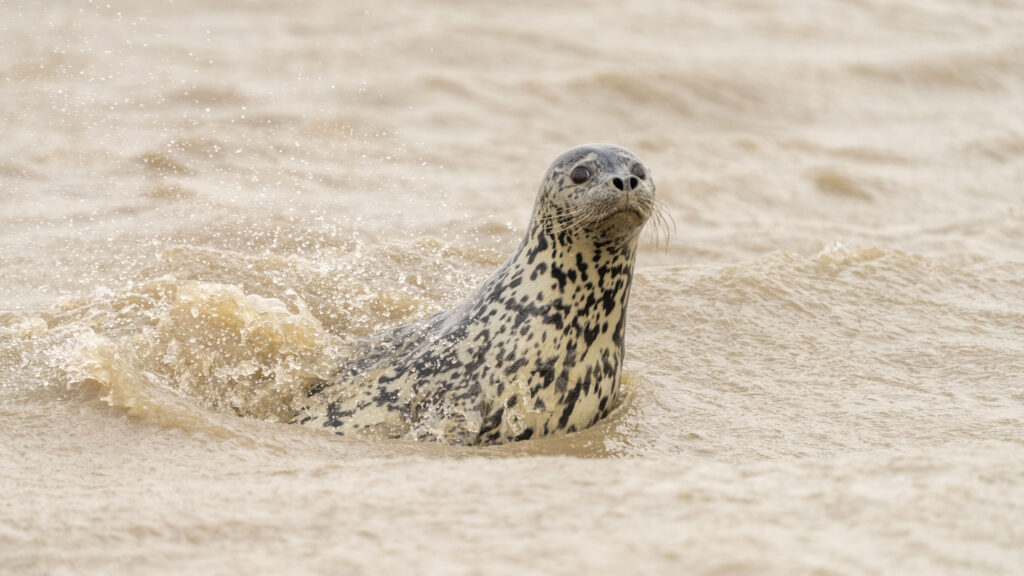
633, 182
617, 182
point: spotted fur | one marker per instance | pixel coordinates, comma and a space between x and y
536, 350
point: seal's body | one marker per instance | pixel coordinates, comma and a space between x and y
536, 350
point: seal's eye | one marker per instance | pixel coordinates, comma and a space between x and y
639, 172
580, 175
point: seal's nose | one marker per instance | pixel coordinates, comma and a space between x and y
628, 184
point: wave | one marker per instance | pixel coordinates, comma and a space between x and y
215, 332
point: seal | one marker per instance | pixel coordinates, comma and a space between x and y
536, 350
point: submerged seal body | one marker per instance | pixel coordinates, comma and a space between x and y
536, 350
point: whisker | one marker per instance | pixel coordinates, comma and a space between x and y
659, 224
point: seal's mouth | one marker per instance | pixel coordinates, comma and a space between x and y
628, 211
622, 220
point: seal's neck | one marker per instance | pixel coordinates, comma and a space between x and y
569, 248
554, 318
577, 282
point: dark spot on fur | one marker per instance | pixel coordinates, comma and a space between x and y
515, 366
570, 405
558, 274
540, 246
581, 266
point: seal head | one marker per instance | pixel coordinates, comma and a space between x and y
601, 188
536, 350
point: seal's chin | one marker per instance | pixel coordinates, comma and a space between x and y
623, 219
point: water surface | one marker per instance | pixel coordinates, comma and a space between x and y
202, 202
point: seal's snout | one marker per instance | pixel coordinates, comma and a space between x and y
627, 184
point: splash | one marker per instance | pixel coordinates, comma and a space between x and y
212, 346
835, 256
218, 334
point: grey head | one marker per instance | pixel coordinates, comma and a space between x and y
597, 190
